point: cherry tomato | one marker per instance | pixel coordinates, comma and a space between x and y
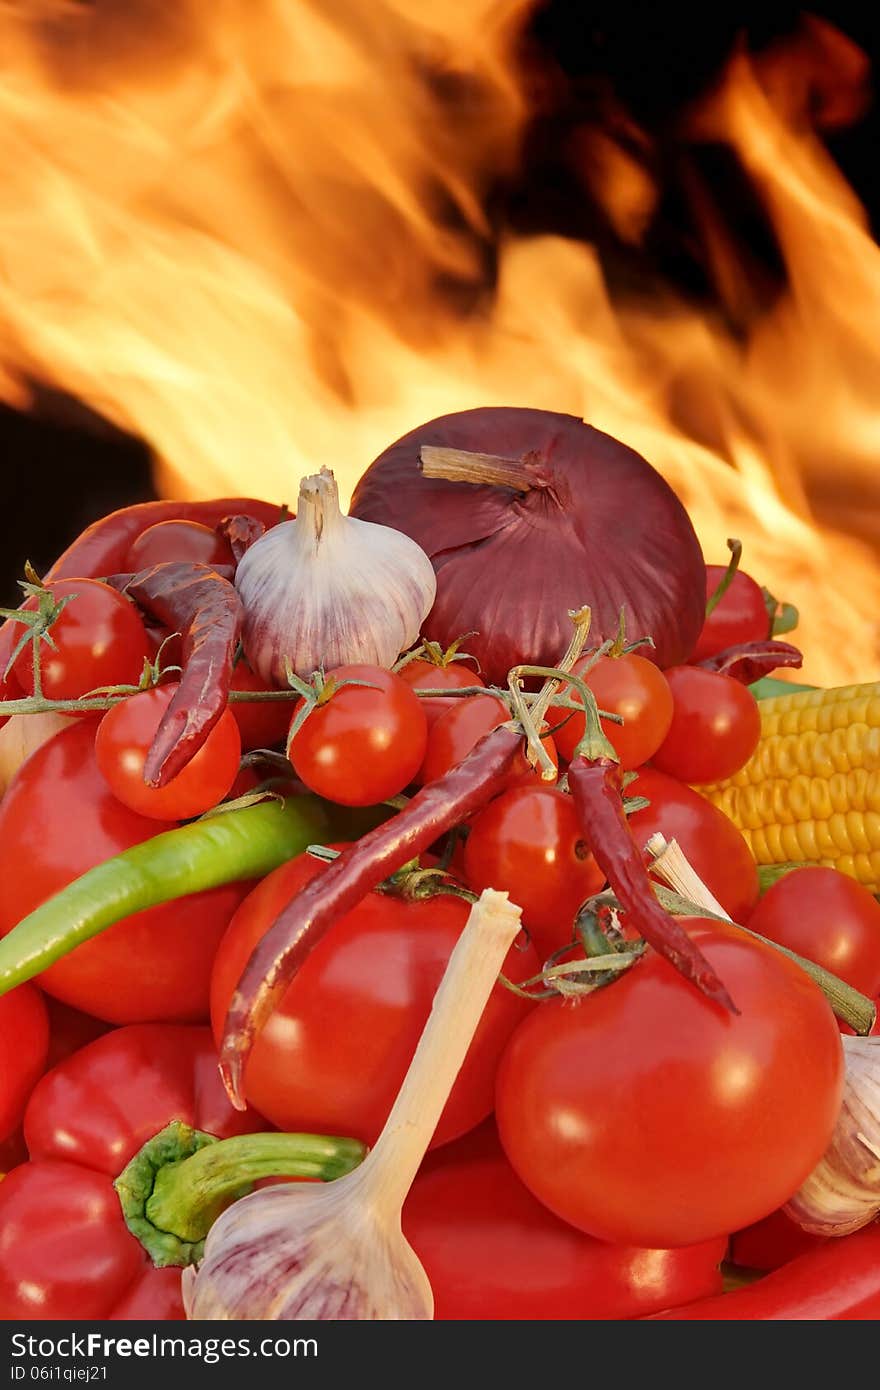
261, 724
154, 964
829, 918
99, 640
647, 1115
707, 837
739, 616
457, 732
123, 741
427, 675
632, 687
334, 1053
715, 726
24, 1047
178, 540
529, 842
492, 1252
366, 743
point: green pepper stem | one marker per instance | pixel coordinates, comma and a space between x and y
176, 1186
724, 583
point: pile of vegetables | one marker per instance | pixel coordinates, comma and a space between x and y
519, 920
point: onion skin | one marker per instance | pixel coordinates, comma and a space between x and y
599, 527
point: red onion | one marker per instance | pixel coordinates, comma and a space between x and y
584, 520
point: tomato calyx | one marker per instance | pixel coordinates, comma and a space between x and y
315, 693
411, 881
37, 622
618, 646
436, 655
179, 1182
604, 956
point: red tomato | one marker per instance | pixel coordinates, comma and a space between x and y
123, 741
366, 743
715, 726
492, 1252
65, 1252
99, 640
427, 675
648, 1115
261, 725
529, 841
178, 540
739, 616
335, 1051
154, 964
710, 840
632, 687
457, 732
24, 1046
829, 918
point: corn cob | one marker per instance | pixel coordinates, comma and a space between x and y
811, 790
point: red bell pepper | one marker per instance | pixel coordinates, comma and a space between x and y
65, 1251
837, 1282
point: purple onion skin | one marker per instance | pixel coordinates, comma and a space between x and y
598, 526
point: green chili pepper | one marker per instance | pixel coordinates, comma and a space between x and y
768, 686
237, 845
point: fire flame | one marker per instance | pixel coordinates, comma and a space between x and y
257, 238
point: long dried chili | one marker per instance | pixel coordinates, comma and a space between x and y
358, 869
103, 547
205, 609
596, 787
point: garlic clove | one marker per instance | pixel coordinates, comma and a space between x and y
337, 1251
328, 590
842, 1193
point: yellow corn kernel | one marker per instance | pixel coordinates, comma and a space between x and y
811, 790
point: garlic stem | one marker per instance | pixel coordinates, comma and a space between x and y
675, 869
473, 969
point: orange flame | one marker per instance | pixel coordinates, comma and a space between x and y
257, 239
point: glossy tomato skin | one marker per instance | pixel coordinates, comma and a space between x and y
426, 675
100, 640
123, 741
739, 616
366, 743
24, 1048
457, 732
529, 842
646, 1114
170, 541
260, 725
708, 838
59, 819
335, 1051
492, 1252
829, 918
65, 1252
715, 726
632, 687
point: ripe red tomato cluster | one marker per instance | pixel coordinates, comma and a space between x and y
640, 1126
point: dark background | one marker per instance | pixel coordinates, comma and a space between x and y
62, 466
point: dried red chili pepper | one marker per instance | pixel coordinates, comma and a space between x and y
241, 532
103, 547
596, 786
358, 869
205, 609
840, 1281
750, 661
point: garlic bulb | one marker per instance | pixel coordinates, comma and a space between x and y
336, 1252
842, 1193
326, 590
